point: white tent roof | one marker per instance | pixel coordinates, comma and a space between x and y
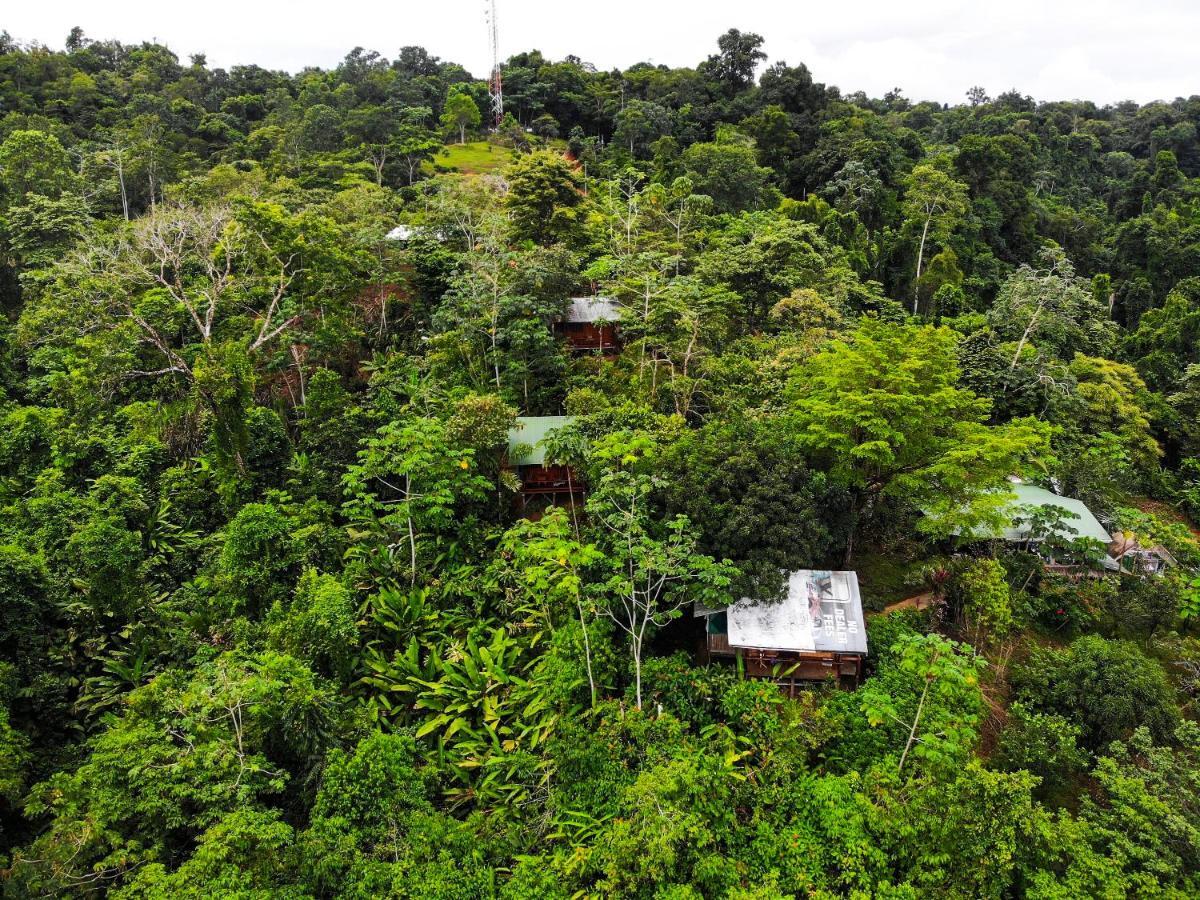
822, 611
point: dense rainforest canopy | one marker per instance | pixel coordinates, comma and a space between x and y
273, 623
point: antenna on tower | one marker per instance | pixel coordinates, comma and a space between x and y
496, 90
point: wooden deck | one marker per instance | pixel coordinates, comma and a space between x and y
789, 668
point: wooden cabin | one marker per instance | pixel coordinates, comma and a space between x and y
541, 481
1074, 522
589, 325
1135, 559
815, 632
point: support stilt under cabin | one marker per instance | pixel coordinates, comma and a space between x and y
816, 632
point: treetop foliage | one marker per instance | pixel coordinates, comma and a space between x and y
280, 616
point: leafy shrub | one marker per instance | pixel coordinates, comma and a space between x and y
318, 626
1064, 607
692, 693
259, 558
22, 584
1045, 744
1137, 606
884, 632
753, 707
979, 591
927, 700
1107, 688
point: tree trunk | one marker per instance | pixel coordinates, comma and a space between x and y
574, 512
1025, 337
124, 193
637, 670
412, 537
854, 506
300, 374
587, 651
912, 734
920, 259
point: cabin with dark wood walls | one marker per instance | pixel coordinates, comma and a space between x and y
590, 325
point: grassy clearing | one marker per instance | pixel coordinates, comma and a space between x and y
472, 158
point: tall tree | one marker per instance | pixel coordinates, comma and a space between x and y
934, 206
545, 199
884, 412
650, 570
733, 67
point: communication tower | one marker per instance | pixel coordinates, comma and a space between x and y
496, 90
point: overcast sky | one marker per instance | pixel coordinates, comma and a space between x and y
1103, 50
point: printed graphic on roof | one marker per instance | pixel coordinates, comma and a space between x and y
822, 611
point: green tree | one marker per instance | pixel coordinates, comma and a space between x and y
1051, 308
1107, 688
1045, 744
40, 230
639, 124
750, 497
649, 570
319, 626
248, 853
260, 556
414, 142
461, 114
545, 199
1133, 834
34, 162
883, 410
728, 171
733, 67
934, 206
943, 678
542, 564
406, 487
189, 749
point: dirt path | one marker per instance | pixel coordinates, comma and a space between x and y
918, 602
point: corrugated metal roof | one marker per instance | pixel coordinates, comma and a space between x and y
592, 309
822, 611
1078, 519
530, 431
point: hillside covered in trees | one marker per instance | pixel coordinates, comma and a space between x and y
276, 623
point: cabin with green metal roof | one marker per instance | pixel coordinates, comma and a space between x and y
526, 439
1065, 519
1076, 521
553, 482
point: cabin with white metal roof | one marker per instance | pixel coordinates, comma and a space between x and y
815, 632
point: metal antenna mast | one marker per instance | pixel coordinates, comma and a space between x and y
496, 91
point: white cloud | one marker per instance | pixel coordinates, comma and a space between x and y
1104, 50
